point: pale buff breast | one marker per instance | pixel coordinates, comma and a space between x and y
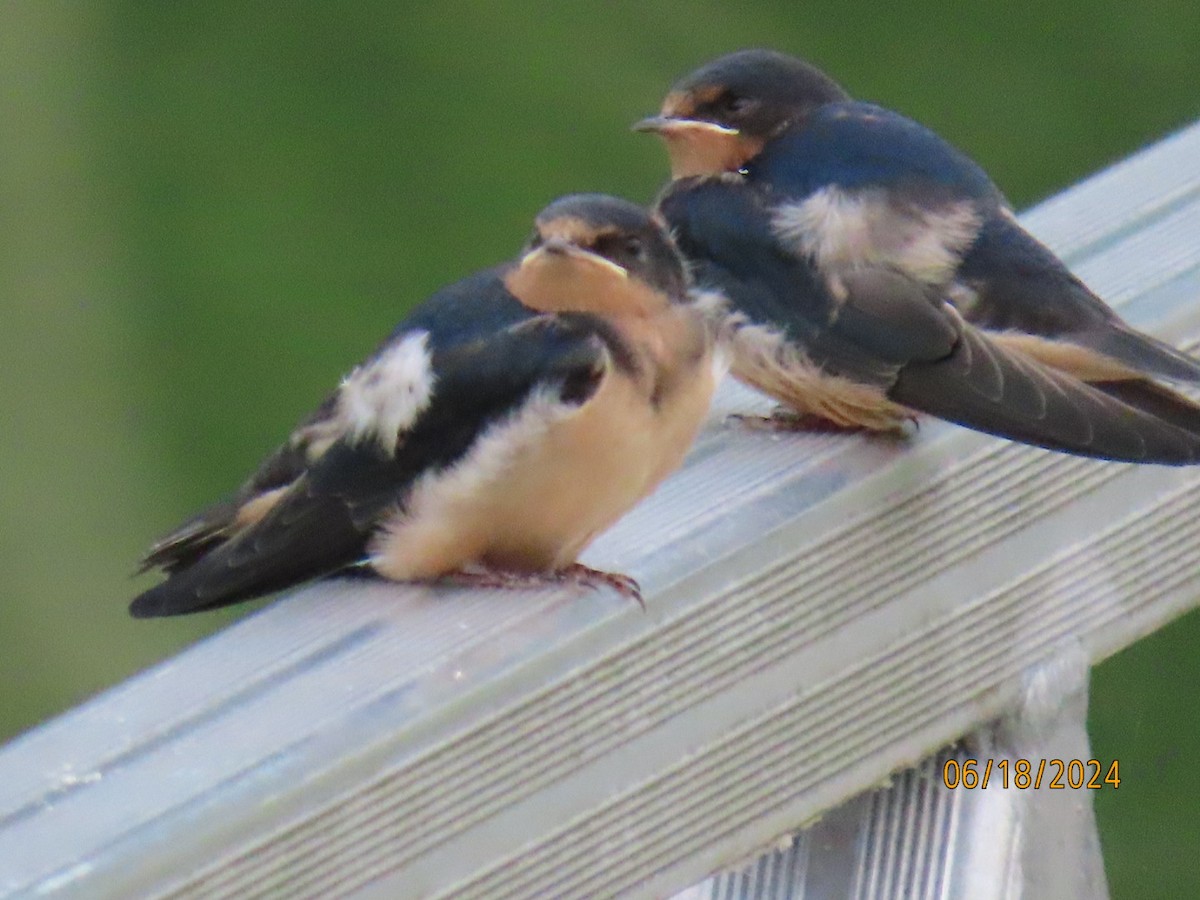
539, 487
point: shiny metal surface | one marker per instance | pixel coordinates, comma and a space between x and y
923, 835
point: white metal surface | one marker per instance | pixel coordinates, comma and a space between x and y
930, 834
821, 611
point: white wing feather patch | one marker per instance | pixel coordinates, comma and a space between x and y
840, 229
719, 318
384, 397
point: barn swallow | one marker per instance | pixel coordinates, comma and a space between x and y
510, 419
872, 269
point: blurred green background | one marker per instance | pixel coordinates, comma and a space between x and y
209, 211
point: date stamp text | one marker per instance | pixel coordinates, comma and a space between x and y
1022, 774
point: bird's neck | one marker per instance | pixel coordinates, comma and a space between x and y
597, 291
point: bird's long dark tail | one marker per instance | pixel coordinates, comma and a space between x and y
1144, 353
191, 540
1157, 400
1002, 391
284, 549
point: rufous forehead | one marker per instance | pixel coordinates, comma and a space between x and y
683, 104
573, 230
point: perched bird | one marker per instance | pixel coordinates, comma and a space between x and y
509, 420
872, 269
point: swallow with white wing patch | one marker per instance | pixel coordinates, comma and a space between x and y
872, 270
507, 422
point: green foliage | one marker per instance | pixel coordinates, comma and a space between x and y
209, 211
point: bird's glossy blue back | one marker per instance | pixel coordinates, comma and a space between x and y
855, 145
469, 309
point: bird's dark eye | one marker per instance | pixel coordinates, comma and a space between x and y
731, 105
620, 247
535, 241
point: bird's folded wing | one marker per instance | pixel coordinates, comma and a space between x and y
964, 375
469, 309
1016, 284
724, 228
199, 534
324, 519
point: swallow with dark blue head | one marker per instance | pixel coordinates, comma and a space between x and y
510, 419
871, 270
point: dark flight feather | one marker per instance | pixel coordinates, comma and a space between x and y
325, 519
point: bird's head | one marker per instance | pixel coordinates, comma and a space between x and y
599, 254
718, 117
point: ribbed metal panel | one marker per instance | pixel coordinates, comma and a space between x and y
822, 611
914, 838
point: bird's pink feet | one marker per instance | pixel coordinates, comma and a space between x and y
576, 573
783, 420
787, 421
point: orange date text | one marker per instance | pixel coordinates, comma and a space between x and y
1022, 774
